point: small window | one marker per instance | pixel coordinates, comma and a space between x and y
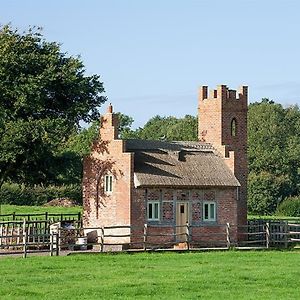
108, 183
233, 127
209, 211
153, 211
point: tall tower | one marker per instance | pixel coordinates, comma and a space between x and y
222, 119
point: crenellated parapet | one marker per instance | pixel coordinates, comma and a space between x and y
223, 93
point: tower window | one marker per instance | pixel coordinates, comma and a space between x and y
233, 127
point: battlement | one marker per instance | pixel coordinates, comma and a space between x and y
223, 93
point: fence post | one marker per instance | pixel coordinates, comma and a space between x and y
145, 237
1, 234
14, 216
267, 234
57, 237
101, 239
188, 235
24, 239
286, 234
228, 235
51, 243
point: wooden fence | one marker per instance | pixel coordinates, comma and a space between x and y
55, 217
38, 236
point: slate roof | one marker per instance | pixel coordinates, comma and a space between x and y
180, 164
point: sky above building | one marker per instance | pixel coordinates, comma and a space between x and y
153, 55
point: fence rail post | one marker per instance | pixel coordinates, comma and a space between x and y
101, 239
1, 234
268, 235
286, 225
145, 237
188, 235
228, 235
51, 243
25, 237
57, 240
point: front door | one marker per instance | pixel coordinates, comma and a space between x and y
182, 217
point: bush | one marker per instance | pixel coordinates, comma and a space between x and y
289, 207
263, 194
12, 193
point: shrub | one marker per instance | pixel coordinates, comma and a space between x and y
263, 194
20, 194
289, 207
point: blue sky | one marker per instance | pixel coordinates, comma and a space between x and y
153, 55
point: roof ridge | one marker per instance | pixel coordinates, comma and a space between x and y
135, 144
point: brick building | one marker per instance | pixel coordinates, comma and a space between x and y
162, 184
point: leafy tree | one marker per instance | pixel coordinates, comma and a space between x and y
273, 151
44, 94
167, 128
264, 193
289, 207
125, 123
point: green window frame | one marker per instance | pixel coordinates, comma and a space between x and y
153, 211
209, 211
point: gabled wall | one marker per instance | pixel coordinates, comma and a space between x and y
107, 157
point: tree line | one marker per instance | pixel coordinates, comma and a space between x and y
45, 96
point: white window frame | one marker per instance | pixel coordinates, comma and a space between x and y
108, 183
209, 205
153, 204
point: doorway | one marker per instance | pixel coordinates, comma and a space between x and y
182, 217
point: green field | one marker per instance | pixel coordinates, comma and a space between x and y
9, 209
212, 275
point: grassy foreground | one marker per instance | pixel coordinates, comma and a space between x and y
213, 275
20, 209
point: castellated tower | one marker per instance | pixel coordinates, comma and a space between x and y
222, 119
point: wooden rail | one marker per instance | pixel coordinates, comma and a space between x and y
41, 216
35, 236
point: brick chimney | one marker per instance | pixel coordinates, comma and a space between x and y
109, 125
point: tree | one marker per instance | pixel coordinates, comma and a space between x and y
44, 94
167, 128
273, 151
125, 123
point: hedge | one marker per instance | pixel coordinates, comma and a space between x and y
289, 207
11, 193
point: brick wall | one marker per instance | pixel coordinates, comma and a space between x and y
208, 233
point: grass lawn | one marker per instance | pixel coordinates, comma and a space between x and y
212, 275
9, 209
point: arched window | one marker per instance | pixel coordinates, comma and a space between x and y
233, 127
